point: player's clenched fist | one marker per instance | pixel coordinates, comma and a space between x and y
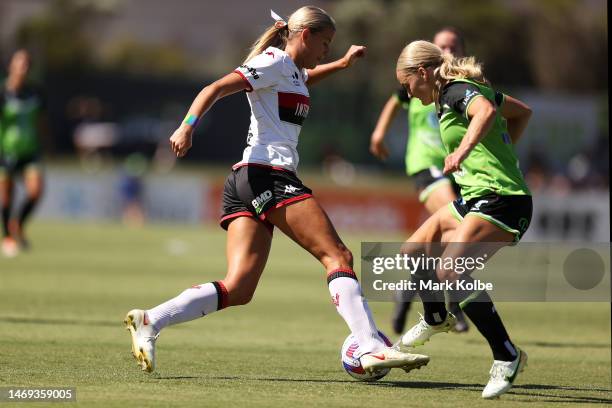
354, 52
180, 141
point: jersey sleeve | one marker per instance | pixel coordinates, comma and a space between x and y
500, 98
261, 71
401, 94
458, 96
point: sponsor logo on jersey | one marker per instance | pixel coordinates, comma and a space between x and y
261, 200
296, 79
270, 53
468, 96
251, 70
336, 300
291, 189
293, 107
506, 138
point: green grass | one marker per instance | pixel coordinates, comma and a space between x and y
61, 308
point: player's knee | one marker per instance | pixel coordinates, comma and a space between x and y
446, 275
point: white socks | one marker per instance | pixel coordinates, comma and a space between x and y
201, 300
192, 303
352, 306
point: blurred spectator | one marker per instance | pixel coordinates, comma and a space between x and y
91, 135
131, 188
21, 107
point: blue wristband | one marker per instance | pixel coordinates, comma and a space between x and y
191, 120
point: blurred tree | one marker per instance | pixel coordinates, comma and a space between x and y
57, 36
569, 44
525, 43
131, 56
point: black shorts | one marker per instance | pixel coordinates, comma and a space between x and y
12, 167
511, 213
429, 179
254, 190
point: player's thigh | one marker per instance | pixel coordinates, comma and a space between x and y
430, 237
476, 229
439, 197
248, 247
474, 238
437, 228
307, 224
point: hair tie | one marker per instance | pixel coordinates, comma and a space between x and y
280, 22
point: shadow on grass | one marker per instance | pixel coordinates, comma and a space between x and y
527, 390
551, 344
556, 398
70, 322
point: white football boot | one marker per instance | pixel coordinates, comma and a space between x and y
392, 358
10, 247
422, 331
503, 374
143, 339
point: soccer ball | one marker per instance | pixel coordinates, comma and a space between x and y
353, 366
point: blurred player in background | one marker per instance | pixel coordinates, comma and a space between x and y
20, 123
424, 162
478, 127
264, 191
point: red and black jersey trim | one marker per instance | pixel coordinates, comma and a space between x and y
222, 295
340, 273
248, 88
293, 107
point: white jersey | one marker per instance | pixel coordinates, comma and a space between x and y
279, 101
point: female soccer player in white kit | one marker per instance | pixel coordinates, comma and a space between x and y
263, 191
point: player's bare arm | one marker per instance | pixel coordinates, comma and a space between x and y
377, 140
482, 115
181, 139
323, 71
517, 116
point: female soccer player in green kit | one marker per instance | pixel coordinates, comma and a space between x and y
424, 161
20, 109
478, 127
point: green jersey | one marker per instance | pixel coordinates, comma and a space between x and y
19, 115
424, 148
492, 166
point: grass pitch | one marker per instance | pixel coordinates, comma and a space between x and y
62, 306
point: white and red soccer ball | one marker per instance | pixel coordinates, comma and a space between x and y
353, 366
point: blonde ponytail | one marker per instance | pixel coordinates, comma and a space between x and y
313, 18
274, 36
446, 67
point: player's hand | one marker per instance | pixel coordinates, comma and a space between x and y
452, 162
378, 147
354, 52
180, 141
